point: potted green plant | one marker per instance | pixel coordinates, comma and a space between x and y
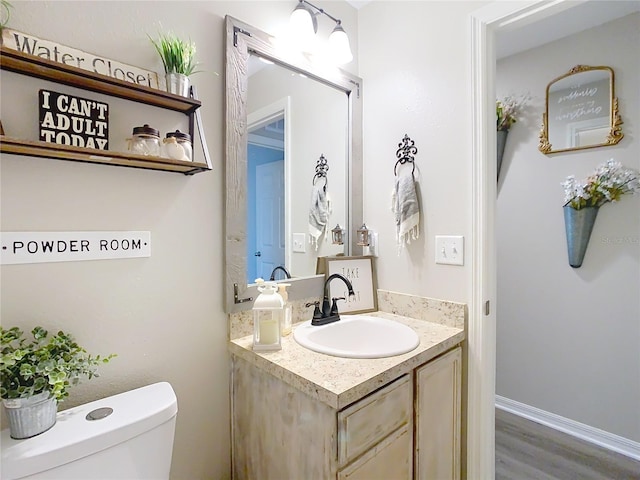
178, 59
36, 375
608, 183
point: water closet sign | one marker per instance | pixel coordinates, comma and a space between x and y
69, 120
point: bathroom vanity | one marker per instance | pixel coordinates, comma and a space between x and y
301, 414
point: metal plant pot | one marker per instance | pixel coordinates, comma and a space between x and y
502, 141
578, 227
30, 416
178, 84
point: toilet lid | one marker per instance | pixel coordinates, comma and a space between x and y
74, 436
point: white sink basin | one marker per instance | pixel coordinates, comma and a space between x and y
358, 336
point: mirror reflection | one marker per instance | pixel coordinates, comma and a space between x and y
291, 112
581, 111
295, 123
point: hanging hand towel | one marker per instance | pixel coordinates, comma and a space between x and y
406, 208
318, 214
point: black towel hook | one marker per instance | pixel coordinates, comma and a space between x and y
405, 153
322, 166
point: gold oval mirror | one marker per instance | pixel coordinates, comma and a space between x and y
581, 111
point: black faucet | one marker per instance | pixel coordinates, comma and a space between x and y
280, 267
329, 312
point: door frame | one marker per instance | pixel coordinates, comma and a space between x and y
481, 336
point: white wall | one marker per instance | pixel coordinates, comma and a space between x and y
414, 62
163, 315
567, 339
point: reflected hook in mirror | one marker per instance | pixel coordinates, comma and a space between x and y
581, 111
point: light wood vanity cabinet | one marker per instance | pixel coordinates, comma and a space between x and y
437, 417
282, 433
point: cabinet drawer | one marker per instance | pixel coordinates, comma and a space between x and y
368, 421
391, 459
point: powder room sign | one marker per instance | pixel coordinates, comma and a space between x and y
44, 247
68, 120
26, 43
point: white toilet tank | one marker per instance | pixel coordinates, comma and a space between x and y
135, 441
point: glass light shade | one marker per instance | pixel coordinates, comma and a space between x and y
303, 24
337, 235
363, 236
339, 46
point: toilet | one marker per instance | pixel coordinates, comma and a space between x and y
126, 436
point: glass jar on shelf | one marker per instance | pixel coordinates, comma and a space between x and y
145, 141
183, 140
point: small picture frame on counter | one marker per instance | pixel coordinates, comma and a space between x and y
360, 271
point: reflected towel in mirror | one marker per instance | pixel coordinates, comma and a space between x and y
319, 212
406, 208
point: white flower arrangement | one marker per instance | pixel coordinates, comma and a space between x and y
509, 109
607, 184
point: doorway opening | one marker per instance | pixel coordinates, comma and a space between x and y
265, 197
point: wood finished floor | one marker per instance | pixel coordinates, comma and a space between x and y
526, 450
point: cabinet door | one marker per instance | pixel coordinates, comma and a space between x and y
391, 459
437, 418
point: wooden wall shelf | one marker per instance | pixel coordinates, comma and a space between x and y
90, 155
31, 65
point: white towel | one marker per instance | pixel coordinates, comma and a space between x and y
406, 208
318, 213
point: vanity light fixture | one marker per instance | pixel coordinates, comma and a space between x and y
362, 234
337, 235
304, 24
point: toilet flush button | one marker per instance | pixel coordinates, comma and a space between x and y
99, 413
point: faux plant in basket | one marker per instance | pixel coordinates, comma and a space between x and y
178, 59
583, 199
36, 375
507, 112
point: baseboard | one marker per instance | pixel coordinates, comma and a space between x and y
607, 440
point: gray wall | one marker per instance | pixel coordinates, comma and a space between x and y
162, 315
567, 339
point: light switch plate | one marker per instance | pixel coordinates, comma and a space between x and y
299, 243
450, 249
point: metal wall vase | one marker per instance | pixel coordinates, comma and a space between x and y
578, 226
502, 141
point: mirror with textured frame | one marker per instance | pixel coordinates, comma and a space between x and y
245, 44
581, 111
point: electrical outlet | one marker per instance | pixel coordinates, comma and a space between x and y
450, 249
299, 243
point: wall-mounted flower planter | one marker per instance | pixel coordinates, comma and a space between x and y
578, 227
502, 142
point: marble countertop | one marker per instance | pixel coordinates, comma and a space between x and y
338, 381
